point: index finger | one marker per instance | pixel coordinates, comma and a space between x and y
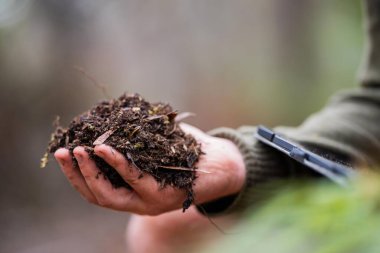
130, 173
73, 174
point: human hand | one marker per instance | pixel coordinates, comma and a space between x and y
174, 232
222, 160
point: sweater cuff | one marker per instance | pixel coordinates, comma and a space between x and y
264, 167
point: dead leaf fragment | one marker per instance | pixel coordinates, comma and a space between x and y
44, 160
183, 115
101, 139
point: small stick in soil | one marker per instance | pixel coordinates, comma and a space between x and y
183, 115
184, 169
93, 80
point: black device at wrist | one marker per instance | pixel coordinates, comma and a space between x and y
334, 171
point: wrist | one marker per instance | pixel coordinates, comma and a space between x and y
226, 167
235, 161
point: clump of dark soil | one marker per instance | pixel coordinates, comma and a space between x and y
147, 134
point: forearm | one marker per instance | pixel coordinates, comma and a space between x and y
348, 128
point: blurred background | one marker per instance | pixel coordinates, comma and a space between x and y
230, 62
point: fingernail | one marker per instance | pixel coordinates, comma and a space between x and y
61, 162
79, 158
99, 152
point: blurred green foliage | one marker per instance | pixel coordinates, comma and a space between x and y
231, 62
323, 56
314, 218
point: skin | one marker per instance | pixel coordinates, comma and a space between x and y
174, 231
226, 176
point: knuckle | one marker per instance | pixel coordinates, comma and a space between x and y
132, 180
71, 177
117, 163
76, 186
91, 200
87, 176
155, 209
104, 202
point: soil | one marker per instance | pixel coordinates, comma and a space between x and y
147, 134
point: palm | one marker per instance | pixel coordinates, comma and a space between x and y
222, 161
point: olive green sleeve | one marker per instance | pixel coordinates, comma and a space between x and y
347, 129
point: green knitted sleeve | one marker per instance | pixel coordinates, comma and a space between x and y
347, 129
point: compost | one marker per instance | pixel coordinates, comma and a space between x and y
147, 134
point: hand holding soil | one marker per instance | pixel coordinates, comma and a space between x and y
131, 155
221, 159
